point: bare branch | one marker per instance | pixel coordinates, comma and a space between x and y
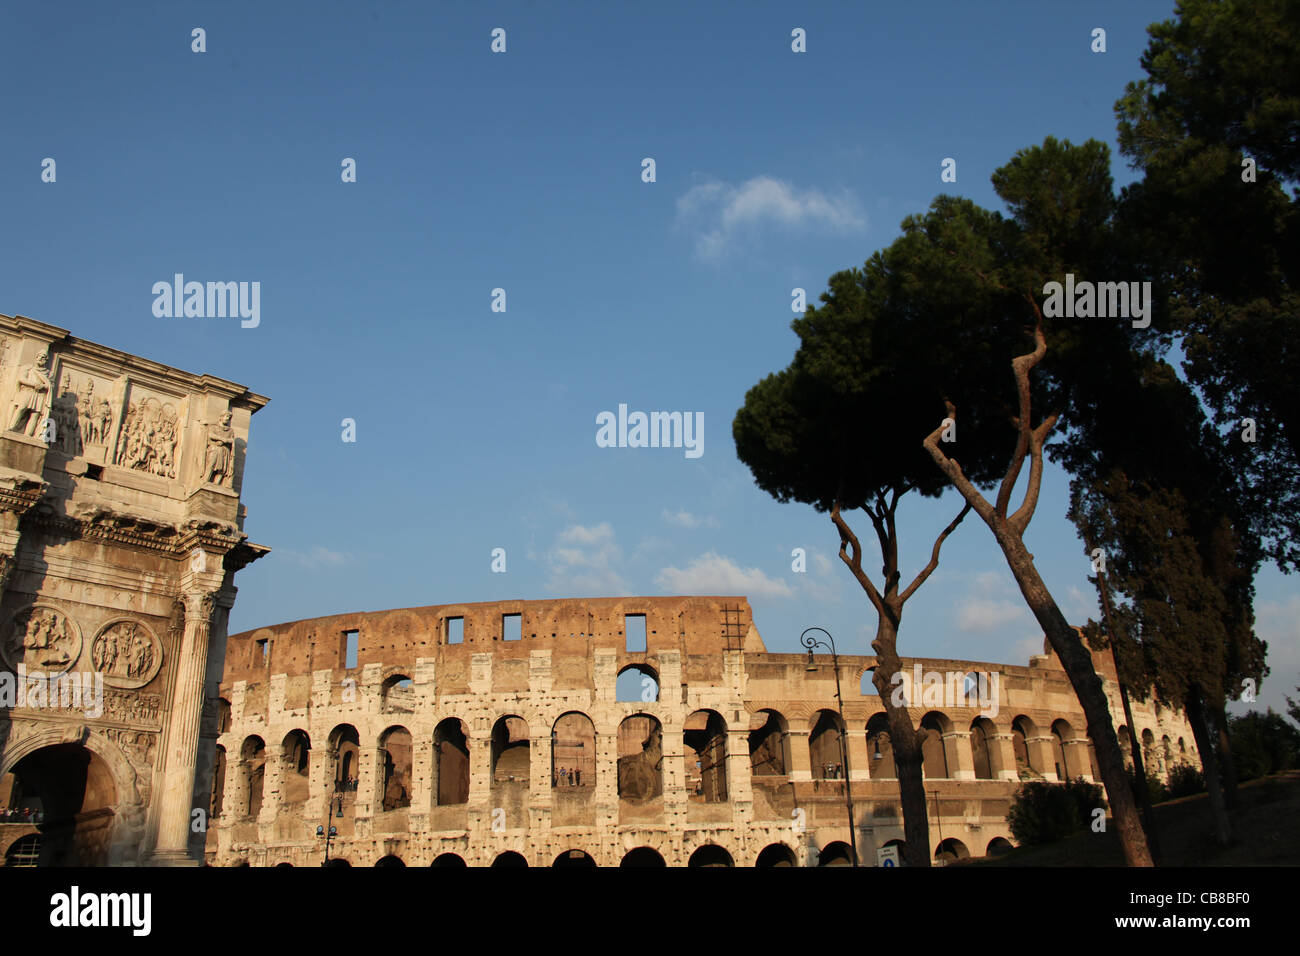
934, 555
954, 472
854, 562
1025, 513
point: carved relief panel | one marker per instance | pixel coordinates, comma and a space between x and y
150, 437
127, 653
41, 638
84, 410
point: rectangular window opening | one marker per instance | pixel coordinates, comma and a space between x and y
351, 645
455, 630
512, 627
264, 651
634, 632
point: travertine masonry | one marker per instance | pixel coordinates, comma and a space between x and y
520, 751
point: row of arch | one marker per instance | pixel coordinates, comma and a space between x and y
835, 853
572, 756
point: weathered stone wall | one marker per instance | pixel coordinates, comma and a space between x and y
717, 686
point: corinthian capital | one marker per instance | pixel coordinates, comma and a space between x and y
199, 605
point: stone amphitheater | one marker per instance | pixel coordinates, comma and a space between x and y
616, 731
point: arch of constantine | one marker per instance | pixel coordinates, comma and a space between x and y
614, 731
121, 531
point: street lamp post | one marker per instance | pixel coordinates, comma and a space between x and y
333, 831
810, 643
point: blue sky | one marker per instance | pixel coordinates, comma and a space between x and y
522, 171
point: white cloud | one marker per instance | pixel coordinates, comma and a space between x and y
721, 212
584, 559
684, 519
317, 557
1028, 646
980, 615
717, 575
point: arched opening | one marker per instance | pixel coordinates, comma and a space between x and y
824, 746
705, 738
866, 685
252, 765
397, 695
509, 756
1150, 759
509, 858
1061, 732
295, 770
448, 859
390, 861
334, 861
573, 753
218, 783
636, 684
510, 751
933, 752
982, 732
345, 755
574, 858
999, 846
1125, 745
67, 792
776, 854
642, 856
451, 762
880, 749
950, 851
640, 758
284, 864
769, 745
1023, 730
395, 750
223, 716
710, 855
837, 853
1167, 752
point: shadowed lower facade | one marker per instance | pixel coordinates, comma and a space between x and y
618, 731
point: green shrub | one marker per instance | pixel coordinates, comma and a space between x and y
1046, 812
1185, 780
1156, 791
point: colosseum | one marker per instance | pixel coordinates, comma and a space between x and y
617, 731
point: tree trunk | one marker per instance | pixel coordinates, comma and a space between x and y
1077, 661
1225, 757
1198, 716
907, 747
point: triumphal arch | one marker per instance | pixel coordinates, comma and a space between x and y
121, 530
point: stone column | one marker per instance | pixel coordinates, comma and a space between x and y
1041, 757
957, 751
321, 764
371, 781
1002, 757
856, 745
1075, 753
183, 737
800, 759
